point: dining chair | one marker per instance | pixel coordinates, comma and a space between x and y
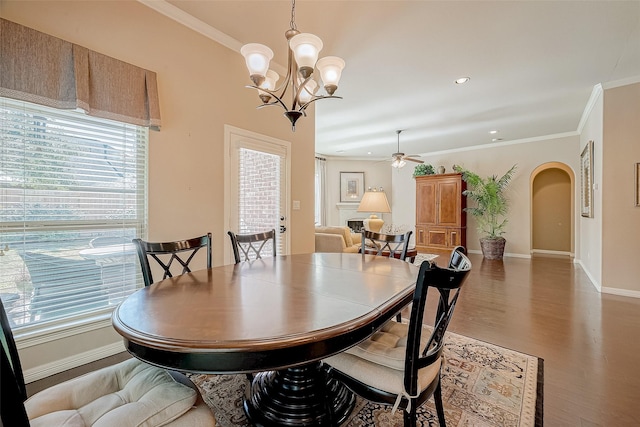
165, 254
391, 245
251, 245
400, 364
126, 394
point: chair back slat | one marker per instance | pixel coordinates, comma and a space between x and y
247, 247
391, 245
181, 252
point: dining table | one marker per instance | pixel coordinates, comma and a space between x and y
276, 317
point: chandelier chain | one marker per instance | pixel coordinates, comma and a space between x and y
292, 23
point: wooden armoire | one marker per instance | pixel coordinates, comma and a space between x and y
441, 222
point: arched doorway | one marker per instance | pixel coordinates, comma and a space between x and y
552, 209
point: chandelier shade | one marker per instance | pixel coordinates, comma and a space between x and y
301, 82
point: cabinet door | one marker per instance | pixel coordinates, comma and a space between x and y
421, 236
426, 208
449, 202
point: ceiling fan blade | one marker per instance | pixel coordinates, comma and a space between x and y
413, 160
413, 155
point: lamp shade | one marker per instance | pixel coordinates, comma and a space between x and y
257, 57
330, 68
374, 201
306, 48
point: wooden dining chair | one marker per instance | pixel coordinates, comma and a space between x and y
180, 252
250, 246
400, 364
125, 394
391, 245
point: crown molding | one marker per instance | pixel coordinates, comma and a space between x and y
621, 82
201, 27
503, 143
182, 17
593, 99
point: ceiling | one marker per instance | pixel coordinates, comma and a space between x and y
533, 65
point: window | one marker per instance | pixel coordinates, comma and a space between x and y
72, 196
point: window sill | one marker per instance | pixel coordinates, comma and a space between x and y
43, 333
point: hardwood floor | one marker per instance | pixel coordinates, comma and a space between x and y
547, 307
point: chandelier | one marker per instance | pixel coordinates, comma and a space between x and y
301, 81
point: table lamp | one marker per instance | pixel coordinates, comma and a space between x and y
374, 201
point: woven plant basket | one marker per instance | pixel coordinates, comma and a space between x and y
492, 248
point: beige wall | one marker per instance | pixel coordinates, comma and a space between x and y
496, 159
201, 88
621, 218
589, 247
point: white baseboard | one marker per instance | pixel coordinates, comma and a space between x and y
621, 292
57, 366
593, 280
506, 254
546, 252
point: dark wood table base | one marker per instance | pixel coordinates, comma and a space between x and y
300, 396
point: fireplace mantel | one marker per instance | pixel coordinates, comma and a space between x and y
348, 211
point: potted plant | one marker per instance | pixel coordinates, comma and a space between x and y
490, 210
423, 169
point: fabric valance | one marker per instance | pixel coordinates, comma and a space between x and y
46, 70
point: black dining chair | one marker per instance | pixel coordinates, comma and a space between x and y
400, 364
251, 246
127, 393
391, 245
165, 254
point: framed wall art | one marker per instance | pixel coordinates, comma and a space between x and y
351, 186
636, 181
586, 180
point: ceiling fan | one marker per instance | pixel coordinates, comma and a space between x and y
398, 159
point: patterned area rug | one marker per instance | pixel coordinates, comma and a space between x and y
423, 257
483, 385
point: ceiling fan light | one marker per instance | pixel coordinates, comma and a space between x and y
306, 48
257, 57
330, 68
398, 163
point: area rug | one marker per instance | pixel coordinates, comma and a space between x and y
483, 385
423, 257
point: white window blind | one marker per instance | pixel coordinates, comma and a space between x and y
72, 196
261, 200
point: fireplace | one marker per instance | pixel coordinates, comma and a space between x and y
355, 224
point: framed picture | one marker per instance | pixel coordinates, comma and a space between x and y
637, 183
351, 186
586, 177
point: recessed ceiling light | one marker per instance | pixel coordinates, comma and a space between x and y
492, 132
369, 152
462, 80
